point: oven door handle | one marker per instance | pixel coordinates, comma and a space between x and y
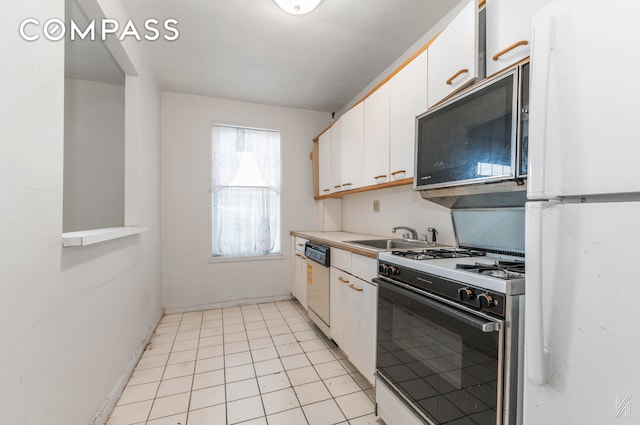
425, 298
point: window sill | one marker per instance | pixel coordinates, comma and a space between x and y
242, 259
94, 236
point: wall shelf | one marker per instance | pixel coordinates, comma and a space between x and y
94, 236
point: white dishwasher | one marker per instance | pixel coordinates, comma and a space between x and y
318, 262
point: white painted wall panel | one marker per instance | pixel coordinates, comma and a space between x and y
73, 319
93, 155
190, 281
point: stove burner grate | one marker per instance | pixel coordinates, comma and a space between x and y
428, 254
499, 269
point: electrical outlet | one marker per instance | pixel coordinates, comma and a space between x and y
376, 206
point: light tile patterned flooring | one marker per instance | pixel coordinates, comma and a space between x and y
254, 364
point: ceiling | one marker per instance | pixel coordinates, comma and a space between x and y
250, 50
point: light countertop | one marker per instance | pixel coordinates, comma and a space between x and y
339, 240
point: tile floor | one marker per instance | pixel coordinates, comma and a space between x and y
254, 364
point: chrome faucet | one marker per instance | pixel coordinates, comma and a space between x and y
414, 234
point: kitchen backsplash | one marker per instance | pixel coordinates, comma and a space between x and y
399, 206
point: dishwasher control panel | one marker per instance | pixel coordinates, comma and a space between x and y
318, 253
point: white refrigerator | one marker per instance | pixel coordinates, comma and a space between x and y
582, 312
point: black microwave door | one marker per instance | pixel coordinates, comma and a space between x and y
469, 140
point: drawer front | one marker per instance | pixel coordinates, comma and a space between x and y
364, 267
299, 244
341, 259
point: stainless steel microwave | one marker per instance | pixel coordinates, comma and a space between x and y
478, 137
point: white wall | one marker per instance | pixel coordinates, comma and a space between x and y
93, 155
72, 320
399, 206
190, 281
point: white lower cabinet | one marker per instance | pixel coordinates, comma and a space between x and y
299, 271
338, 286
353, 307
362, 303
301, 279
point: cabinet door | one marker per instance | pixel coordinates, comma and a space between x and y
508, 31
407, 99
301, 279
376, 137
338, 286
324, 162
292, 283
362, 327
453, 56
352, 144
335, 171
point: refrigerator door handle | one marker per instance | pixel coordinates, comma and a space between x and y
536, 355
542, 44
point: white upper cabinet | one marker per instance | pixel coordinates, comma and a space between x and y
453, 56
376, 137
407, 99
508, 31
335, 174
352, 148
324, 163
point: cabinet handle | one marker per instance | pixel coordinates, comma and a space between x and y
343, 280
398, 172
346, 184
510, 48
326, 190
355, 288
379, 177
337, 186
456, 75
298, 255
300, 244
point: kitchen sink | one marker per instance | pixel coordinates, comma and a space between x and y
388, 243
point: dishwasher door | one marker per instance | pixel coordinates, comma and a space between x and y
318, 294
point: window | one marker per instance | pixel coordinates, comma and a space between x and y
245, 191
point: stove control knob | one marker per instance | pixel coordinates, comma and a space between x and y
485, 301
393, 271
382, 268
466, 294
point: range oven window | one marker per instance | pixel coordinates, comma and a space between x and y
438, 358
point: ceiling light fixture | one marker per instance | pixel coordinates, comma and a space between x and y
298, 7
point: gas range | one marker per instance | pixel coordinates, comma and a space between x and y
475, 278
452, 319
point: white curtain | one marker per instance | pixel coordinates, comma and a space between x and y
245, 186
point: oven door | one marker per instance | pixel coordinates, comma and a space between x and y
444, 361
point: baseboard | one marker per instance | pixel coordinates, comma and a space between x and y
114, 395
223, 304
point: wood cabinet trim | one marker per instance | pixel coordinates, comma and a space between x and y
366, 189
